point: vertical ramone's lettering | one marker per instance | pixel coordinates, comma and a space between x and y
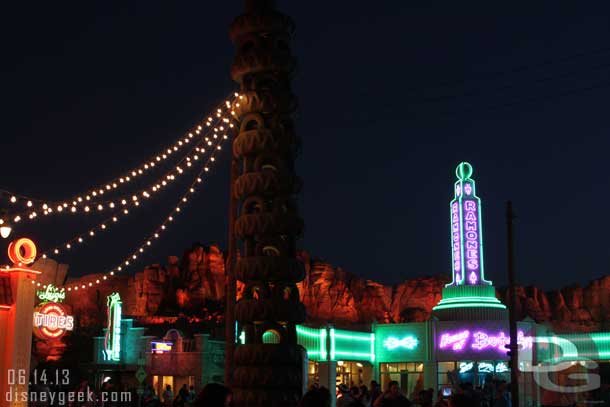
466, 227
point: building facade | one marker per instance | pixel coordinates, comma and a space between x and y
465, 341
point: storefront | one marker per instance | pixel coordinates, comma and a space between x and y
402, 354
463, 343
350, 353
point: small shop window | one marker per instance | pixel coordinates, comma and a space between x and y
409, 375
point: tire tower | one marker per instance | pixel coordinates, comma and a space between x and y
269, 365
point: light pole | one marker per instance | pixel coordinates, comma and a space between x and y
514, 347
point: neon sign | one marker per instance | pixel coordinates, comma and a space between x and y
51, 294
466, 231
456, 341
51, 321
485, 367
161, 347
15, 249
112, 341
408, 342
466, 367
481, 340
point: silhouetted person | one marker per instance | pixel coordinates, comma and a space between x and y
365, 396
316, 397
392, 397
375, 390
347, 398
461, 400
168, 396
214, 395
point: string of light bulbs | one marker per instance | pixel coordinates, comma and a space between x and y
136, 197
89, 206
105, 225
156, 234
154, 161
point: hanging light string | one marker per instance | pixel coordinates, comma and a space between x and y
107, 223
87, 206
214, 119
136, 197
180, 205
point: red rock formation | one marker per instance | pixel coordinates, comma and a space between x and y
330, 294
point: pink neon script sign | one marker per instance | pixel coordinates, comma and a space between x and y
456, 341
481, 340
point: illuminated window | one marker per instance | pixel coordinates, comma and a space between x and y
271, 336
409, 376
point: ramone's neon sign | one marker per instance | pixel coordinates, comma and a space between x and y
481, 340
466, 231
51, 294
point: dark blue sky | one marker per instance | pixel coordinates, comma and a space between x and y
392, 97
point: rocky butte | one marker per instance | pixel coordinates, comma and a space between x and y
193, 286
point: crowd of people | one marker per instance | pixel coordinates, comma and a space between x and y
495, 394
212, 395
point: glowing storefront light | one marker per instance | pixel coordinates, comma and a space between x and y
466, 367
51, 294
161, 347
112, 346
481, 340
408, 342
456, 341
51, 321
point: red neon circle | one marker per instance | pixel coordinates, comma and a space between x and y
51, 309
29, 249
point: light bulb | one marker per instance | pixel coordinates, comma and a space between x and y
5, 231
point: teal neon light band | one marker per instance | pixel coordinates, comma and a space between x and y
360, 354
307, 333
353, 337
333, 354
470, 305
471, 299
323, 353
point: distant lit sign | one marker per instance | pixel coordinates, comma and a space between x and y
112, 343
51, 294
486, 367
481, 340
466, 367
51, 321
161, 347
408, 342
501, 367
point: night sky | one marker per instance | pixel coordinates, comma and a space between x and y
392, 97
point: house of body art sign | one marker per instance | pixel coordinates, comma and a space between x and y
478, 341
